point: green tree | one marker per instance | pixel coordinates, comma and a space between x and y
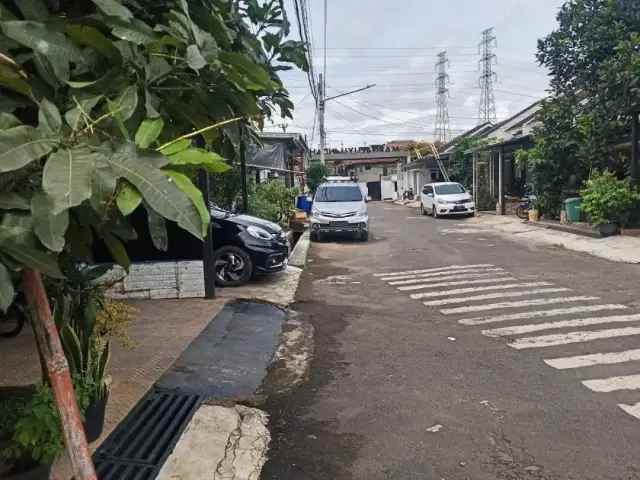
315, 175
594, 60
106, 107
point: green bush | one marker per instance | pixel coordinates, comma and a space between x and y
606, 199
316, 173
273, 201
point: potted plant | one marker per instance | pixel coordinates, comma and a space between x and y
35, 438
607, 200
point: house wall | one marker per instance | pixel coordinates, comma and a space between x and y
152, 280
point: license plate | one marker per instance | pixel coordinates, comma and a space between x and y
458, 208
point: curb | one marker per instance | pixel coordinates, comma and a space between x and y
298, 257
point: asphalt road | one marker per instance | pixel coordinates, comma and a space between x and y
459, 388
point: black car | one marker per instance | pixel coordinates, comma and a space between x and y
246, 246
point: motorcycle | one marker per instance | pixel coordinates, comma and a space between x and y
408, 194
522, 211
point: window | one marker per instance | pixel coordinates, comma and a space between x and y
339, 194
449, 189
367, 167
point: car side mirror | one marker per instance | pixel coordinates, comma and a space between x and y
368, 198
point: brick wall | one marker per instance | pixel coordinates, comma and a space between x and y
182, 279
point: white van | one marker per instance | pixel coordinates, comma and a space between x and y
339, 207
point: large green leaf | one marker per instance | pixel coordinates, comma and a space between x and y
195, 60
12, 80
42, 39
67, 177
248, 74
22, 145
49, 228
92, 37
202, 158
117, 251
103, 186
158, 190
7, 291
128, 199
157, 229
31, 256
33, 9
113, 8
187, 186
134, 31
13, 201
49, 120
149, 131
8, 120
125, 104
176, 147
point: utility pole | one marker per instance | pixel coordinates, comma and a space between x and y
487, 109
322, 100
321, 118
635, 149
441, 133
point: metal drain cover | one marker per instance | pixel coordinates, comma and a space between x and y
141, 443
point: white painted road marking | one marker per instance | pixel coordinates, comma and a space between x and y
424, 276
493, 273
456, 283
425, 270
460, 291
493, 296
541, 313
590, 360
633, 410
573, 337
627, 382
578, 322
520, 304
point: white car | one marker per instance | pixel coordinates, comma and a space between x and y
339, 207
446, 198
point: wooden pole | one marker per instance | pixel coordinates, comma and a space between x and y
208, 262
243, 171
59, 376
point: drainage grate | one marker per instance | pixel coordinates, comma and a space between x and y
141, 443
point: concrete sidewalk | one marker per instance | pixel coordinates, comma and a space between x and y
622, 249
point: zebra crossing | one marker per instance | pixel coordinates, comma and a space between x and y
488, 297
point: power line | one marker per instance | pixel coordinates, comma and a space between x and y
487, 107
441, 131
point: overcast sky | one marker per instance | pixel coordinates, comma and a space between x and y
394, 43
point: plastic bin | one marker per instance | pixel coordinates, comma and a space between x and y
573, 207
303, 203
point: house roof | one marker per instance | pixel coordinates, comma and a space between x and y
519, 125
296, 139
476, 131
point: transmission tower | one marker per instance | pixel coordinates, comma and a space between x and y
442, 132
487, 110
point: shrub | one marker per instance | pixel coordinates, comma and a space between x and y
316, 173
606, 199
273, 201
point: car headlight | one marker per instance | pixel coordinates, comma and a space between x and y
362, 210
259, 232
315, 212
442, 202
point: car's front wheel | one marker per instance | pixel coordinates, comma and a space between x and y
233, 266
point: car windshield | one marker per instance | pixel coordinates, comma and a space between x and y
449, 189
339, 194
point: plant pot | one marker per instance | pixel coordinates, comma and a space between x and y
534, 215
607, 229
94, 419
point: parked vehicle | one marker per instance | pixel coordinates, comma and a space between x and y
446, 198
408, 194
522, 210
339, 207
245, 246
